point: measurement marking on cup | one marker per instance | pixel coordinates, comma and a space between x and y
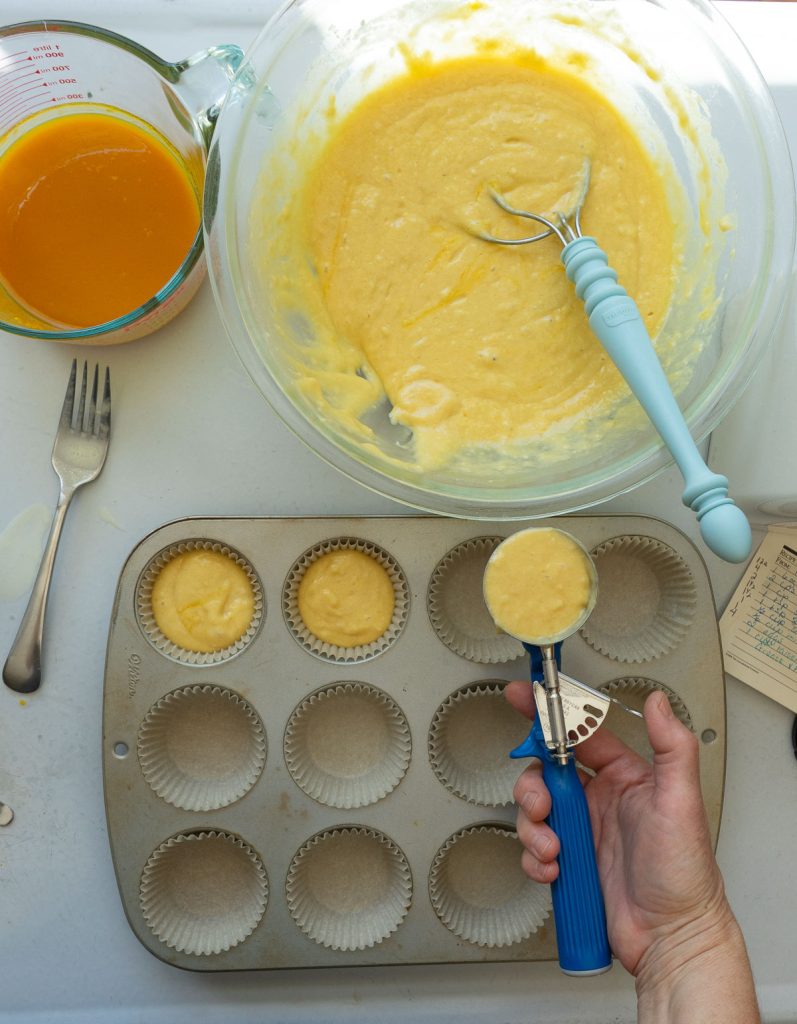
21, 92
36, 105
22, 61
12, 78
27, 103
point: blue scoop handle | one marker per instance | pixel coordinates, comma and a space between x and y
578, 909
616, 322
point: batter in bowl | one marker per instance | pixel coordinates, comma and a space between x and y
474, 344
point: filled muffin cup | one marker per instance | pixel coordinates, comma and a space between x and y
146, 617
341, 653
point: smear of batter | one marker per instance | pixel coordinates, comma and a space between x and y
21, 546
472, 343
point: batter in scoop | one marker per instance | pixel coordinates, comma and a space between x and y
475, 344
538, 584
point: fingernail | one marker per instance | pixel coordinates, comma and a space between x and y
541, 846
665, 707
528, 802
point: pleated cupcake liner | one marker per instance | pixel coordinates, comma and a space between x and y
470, 738
479, 890
203, 893
222, 768
338, 708
146, 615
332, 652
349, 888
622, 595
457, 610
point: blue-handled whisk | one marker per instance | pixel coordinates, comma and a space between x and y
616, 322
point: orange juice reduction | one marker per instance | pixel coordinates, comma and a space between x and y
97, 212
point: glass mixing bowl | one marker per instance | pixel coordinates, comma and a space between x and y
672, 65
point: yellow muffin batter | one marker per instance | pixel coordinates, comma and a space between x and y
346, 598
538, 584
474, 344
202, 601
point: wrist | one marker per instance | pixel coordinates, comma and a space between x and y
695, 971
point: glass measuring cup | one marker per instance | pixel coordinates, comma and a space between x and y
49, 68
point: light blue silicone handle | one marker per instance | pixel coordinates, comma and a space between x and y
578, 908
615, 320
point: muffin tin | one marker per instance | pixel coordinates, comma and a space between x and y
285, 805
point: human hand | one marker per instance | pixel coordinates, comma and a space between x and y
664, 894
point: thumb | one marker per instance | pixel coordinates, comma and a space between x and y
676, 767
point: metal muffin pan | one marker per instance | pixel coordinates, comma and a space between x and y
261, 833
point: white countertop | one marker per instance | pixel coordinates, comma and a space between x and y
66, 951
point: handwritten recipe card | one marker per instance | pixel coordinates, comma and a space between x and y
759, 626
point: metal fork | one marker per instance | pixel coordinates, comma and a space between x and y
81, 445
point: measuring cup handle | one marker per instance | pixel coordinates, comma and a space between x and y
616, 322
203, 81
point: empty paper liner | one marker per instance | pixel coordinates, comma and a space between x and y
471, 736
457, 609
201, 747
203, 892
146, 615
634, 692
480, 892
646, 599
347, 745
334, 652
349, 888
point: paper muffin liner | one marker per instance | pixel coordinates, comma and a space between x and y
471, 735
634, 691
201, 747
646, 599
347, 745
480, 892
203, 892
349, 888
332, 652
146, 616
457, 609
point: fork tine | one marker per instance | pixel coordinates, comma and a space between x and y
104, 429
93, 403
69, 399
82, 405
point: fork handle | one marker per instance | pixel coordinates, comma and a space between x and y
23, 668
